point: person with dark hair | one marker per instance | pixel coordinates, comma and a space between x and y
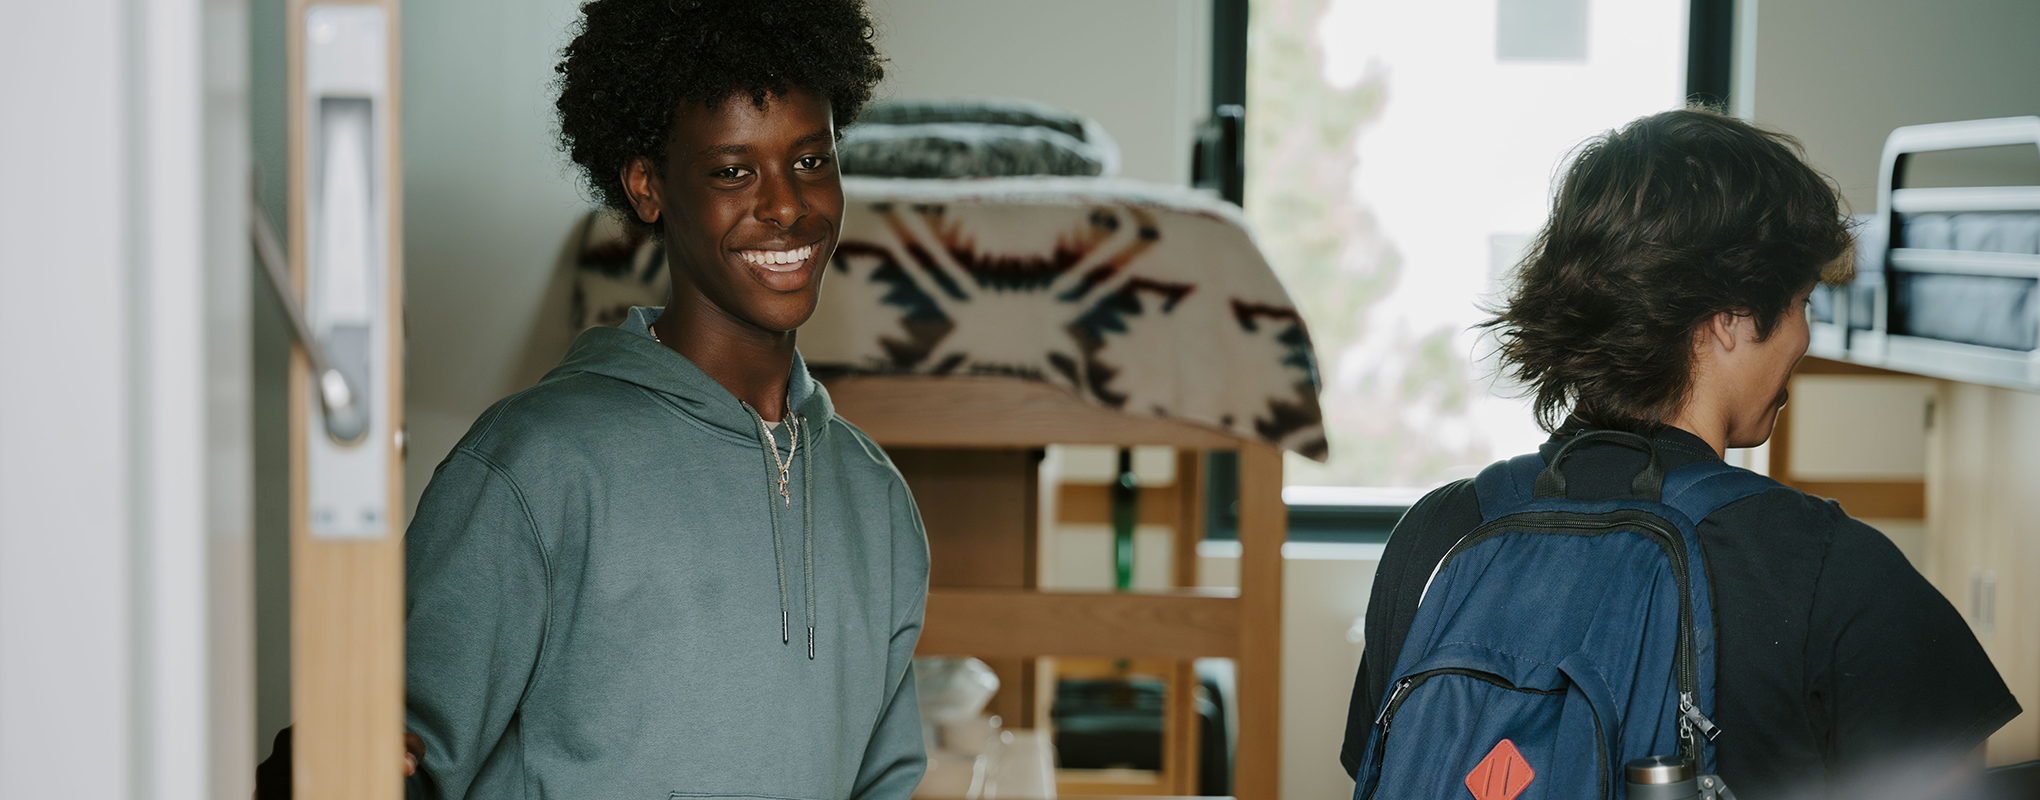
1666, 297
669, 568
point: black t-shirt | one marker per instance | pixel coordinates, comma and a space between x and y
1831, 650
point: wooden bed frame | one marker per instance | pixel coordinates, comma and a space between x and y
964, 445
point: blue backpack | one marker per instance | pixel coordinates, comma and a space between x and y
1559, 640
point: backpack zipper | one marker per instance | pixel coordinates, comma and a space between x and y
1409, 684
1395, 701
1691, 721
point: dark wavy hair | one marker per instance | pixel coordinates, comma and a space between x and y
1657, 227
632, 62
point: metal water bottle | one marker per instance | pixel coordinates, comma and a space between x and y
1661, 778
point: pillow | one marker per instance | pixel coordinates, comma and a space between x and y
1024, 113
975, 140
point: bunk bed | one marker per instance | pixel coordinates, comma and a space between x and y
966, 324
1948, 278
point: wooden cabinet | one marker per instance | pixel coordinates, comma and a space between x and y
1983, 537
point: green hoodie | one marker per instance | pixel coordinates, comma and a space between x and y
609, 597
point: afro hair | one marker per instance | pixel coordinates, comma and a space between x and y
632, 62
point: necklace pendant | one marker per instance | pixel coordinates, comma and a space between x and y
784, 493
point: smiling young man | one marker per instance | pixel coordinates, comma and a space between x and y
668, 569
1667, 296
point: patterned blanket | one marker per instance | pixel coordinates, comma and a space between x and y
1146, 299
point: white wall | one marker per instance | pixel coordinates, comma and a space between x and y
122, 656
1828, 444
489, 202
1840, 74
1142, 68
64, 523
1325, 588
228, 433
1324, 595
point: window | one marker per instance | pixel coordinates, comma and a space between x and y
1400, 156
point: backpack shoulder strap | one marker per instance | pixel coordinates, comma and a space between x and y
1505, 485
1703, 487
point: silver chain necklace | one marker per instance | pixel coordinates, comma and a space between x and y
792, 444
792, 435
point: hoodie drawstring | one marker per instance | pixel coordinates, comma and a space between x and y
778, 550
808, 526
807, 508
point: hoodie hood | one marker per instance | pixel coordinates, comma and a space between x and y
629, 353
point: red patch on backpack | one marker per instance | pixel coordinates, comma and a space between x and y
1500, 776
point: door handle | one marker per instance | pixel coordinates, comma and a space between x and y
344, 420
348, 196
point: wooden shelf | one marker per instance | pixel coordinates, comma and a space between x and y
1182, 623
921, 411
1091, 504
